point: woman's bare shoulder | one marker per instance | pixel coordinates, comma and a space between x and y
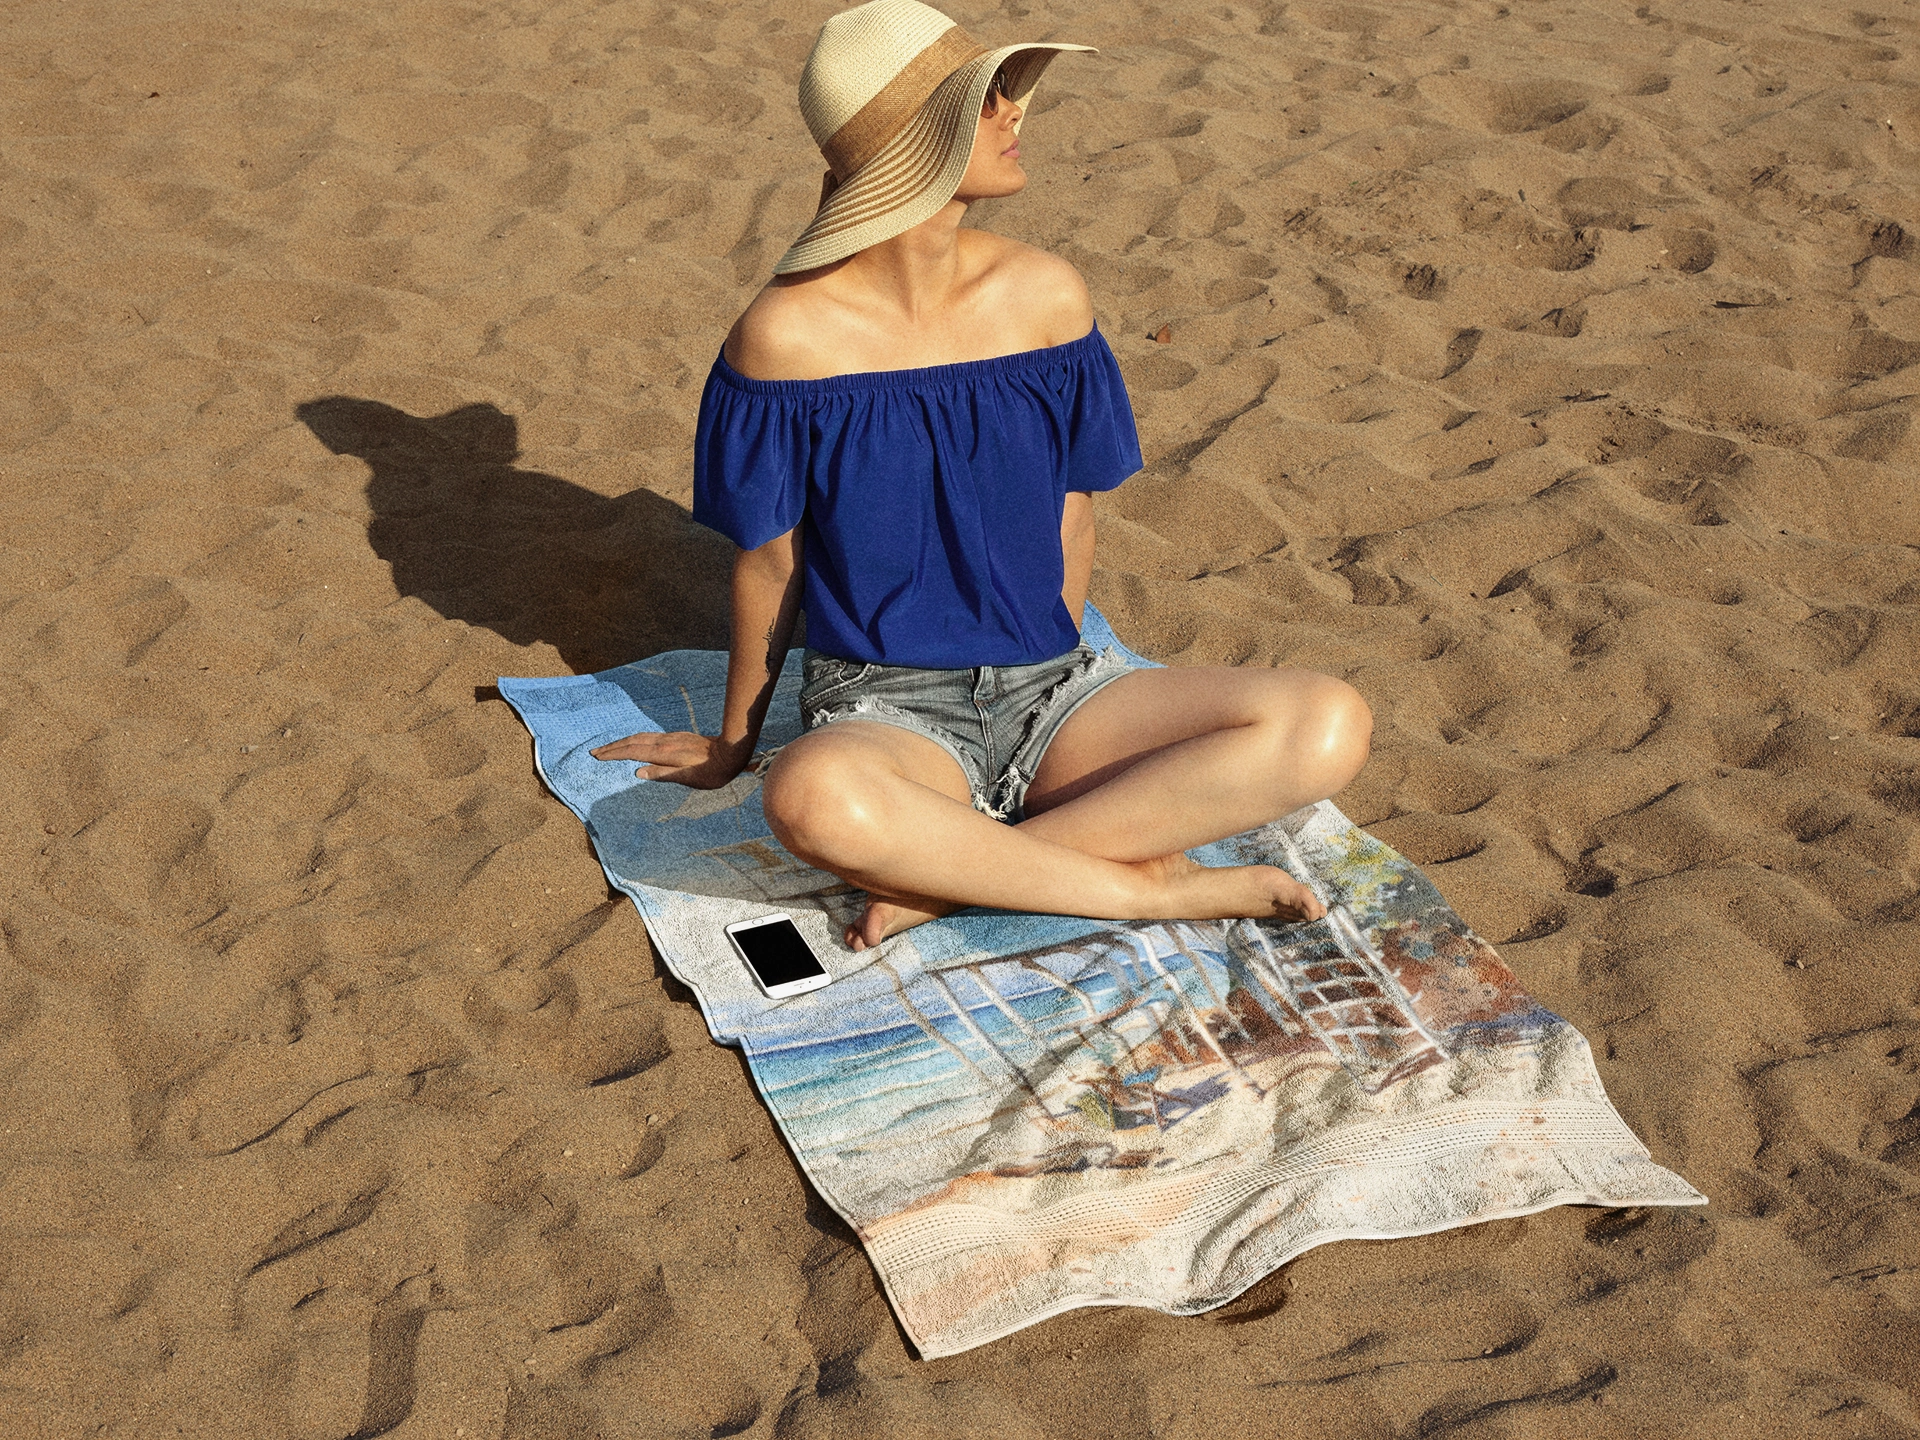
1039, 285
780, 336
807, 329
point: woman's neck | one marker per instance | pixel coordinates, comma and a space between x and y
917, 271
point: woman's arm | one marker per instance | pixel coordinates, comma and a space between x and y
1076, 548
766, 602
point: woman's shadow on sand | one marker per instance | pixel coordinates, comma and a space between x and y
529, 556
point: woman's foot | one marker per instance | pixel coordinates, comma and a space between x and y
1228, 892
1181, 890
890, 914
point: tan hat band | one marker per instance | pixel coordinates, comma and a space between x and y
886, 114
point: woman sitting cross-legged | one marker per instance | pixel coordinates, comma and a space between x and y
902, 435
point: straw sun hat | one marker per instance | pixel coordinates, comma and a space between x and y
892, 93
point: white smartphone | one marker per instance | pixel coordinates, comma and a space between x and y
778, 956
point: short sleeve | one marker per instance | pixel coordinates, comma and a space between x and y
1103, 448
750, 461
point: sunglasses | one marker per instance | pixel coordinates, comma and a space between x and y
996, 88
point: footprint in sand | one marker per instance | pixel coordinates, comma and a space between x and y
1879, 437
1673, 468
1890, 241
1430, 840
1516, 107
1603, 203
1688, 251
1157, 372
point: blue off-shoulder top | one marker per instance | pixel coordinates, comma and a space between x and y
931, 499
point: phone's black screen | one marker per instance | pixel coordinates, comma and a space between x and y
778, 953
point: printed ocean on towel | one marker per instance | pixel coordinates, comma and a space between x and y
1021, 1114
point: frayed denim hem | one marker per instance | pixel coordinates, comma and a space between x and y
872, 708
1088, 678
996, 721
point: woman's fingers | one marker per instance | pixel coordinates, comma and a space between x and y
679, 756
672, 748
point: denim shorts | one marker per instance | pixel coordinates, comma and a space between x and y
995, 720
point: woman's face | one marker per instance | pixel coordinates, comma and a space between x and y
994, 167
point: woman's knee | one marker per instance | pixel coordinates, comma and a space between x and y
818, 807
1322, 734
1338, 732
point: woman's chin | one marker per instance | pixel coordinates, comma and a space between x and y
997, 187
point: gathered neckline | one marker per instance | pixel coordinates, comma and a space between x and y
929, 375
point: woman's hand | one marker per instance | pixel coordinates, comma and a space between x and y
701, 762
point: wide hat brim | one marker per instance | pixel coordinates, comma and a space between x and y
918, 171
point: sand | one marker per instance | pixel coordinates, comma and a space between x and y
1545, 369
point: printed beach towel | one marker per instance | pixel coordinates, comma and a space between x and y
1022, 1114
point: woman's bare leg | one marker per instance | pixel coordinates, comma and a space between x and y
1156, 763
852, 798
1163, 760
